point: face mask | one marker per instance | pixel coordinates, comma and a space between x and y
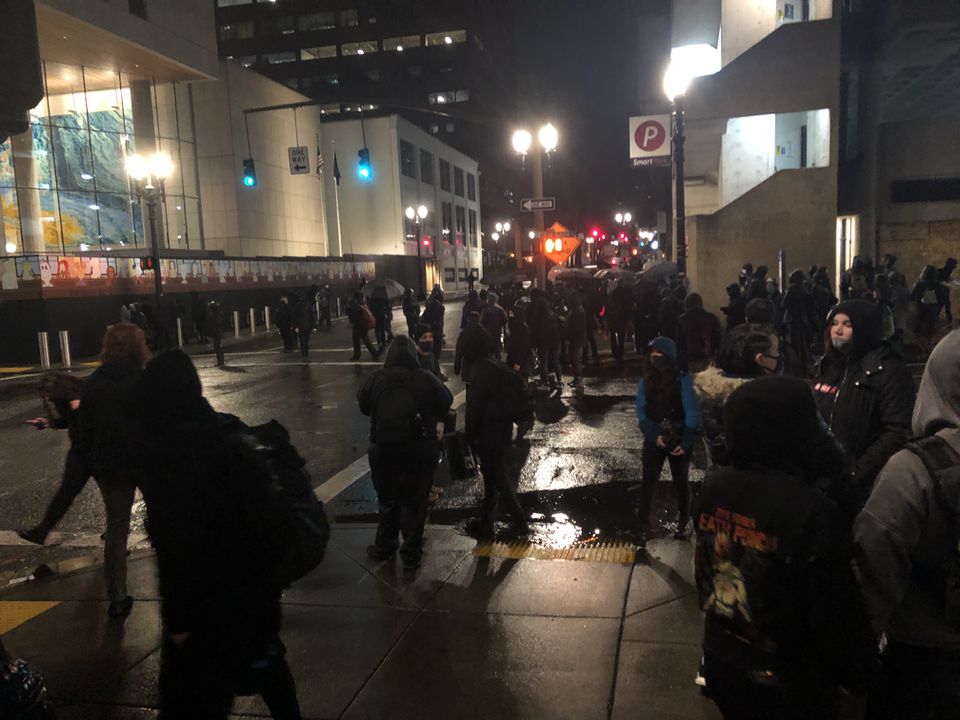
778, 370
840, 344
425, 345
659, 361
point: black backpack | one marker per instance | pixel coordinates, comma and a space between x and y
396, 417
290, 521
943, 464
514, 400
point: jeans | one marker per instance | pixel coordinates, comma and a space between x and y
402, 479
652, 459
496, 486
359, 335
117, 488
76, 472
916, 683
576, 359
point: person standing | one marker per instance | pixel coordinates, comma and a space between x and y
576, 332
473, 343
900, 307
906, 535
943, 275
360, 322
736, 309
784, 625
669, 416
433, 315
198, 311
798, 323
210, 523
519, 342
929, 296
423, 337
617, 317
103, 439
698, 335
473, 303
494, 319
405, 404
303, 322
411, 311
284, 318
324, 301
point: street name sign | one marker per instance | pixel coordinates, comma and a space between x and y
533, 204
650, 140
299, 160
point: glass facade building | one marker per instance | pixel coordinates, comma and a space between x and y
63, 184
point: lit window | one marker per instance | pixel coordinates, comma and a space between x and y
349, 18
228, 3
359, 48
280, 58
450, 96
317, 53
451, 37
331, 109
236, 31
317, 21
401, 43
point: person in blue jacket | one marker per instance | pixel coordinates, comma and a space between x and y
669, 417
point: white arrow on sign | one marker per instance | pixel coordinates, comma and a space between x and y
531, 204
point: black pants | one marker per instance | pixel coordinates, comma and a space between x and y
492, 450
437, 342
218, 349
304, 335
617, 338
76, 472
591, 345
363, 335
916, 684
287, 334
403, 482
198, 681
550, 363
653, 458
576, 359
325, 318
739, 697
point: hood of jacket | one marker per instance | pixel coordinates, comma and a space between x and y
402, 353
865, 318
712, 384
938, 399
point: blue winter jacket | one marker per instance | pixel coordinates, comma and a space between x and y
691, 411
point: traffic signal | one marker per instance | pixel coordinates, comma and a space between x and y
364, 168
558, 249
249, 173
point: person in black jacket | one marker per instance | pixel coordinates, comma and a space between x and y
198, 311
103, 437
494, 320
473, 343
698, 337
324, 301
433, 315
785, 626
489, 430
736, 309
303, 322
519, 342
215, 328
221, 611
360, 326
576, 332
411, 311
865, 393
798, 324
404, 403
423, 337
473, 303
284, 318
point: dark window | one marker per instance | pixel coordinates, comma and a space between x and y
446, 210
426, 167
237, 31
463, 274
349, 18
280, 58
918, 191
445, 176
317, 21
471, 187
461, 224
280, 25
449, 274
472, 214
408, 161
458, 181
138, 8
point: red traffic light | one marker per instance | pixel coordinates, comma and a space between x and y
426, 242
595, 233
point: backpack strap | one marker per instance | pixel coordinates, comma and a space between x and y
940, 460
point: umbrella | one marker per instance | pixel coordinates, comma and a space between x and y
384, 288
569, 275
504, 276
660, 272
618, 274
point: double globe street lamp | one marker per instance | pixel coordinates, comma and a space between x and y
549, 138
148, 175
418, 215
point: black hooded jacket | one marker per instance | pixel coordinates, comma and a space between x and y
772, 572
102, 423
866, 396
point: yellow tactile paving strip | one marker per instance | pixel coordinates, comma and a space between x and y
613, 552
14, 613
13, 369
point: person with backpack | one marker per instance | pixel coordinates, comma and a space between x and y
496, 399
284, 319
907, 539
303, 322
698, 338
233, 520
473, 343
361, 320
669, 416
494, 320
433, 315
473, 303
405, 403
519, 342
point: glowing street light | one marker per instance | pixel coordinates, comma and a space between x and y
144, 171
522, 140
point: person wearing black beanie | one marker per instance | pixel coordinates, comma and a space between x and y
865, 393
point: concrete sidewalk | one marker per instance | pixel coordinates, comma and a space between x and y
467, 636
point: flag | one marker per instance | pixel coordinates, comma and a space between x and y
336, 168
319, 163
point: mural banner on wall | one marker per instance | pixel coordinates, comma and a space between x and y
53, 276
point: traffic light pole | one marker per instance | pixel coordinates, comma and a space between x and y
539, 258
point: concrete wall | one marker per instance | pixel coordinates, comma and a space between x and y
747, 22
747, 157
794, 210
284, 214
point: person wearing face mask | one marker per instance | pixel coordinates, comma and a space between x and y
865, 394
669, 416
423, 337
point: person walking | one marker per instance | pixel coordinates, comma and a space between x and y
433, 315
215, 328
405, 403
576, 336
907, 536
698, 335
324, 301
61, 400
617, 317
103, 438
669, 416
284, 319
360, 319
519, 343
411, 311
473, 343
784, 624
494, 320
303, 323
865, 394
209, 521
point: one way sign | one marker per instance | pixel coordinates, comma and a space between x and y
299, 160
532, 204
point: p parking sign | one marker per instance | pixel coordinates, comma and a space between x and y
650, 140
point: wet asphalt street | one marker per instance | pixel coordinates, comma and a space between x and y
576, 472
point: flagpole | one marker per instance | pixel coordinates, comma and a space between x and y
323, 207
336, 195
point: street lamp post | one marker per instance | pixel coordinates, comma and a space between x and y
418, 215
148, 175
675, 83
522, 140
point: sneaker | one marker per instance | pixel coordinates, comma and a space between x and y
375, 552
33, 535
120, 608
411, 563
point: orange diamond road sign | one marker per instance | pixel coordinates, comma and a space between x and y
558, 248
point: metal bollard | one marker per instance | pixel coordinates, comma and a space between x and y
266, 318
179, 332
253, 321
236, 323
338, 306
65, 348
44, 341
